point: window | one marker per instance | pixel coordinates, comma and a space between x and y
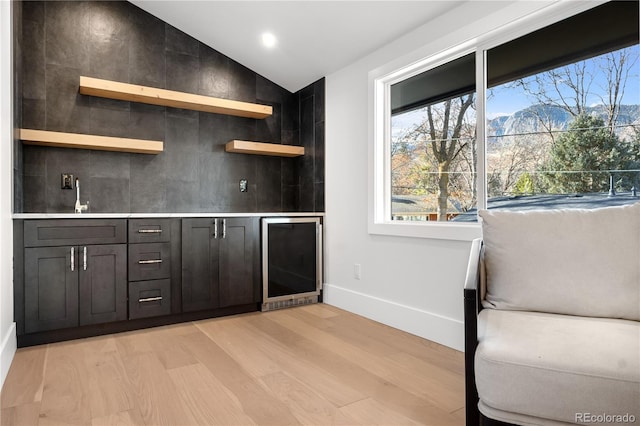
563, 113
560, 127
566, 137
433, 143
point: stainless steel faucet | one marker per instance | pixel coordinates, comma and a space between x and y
80, 207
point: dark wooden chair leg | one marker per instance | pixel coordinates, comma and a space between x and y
470, 343
486, 421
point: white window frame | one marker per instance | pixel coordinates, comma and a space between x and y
380, 81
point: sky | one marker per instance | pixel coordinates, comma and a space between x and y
507, 99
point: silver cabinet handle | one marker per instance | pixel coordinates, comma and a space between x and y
149, 231
84, 265
150, 261
215, 228
150, 299
72, 259
224, 228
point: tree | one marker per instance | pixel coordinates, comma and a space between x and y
567, 87
447, 137
410, 167
525, 184
446, 145
617, 67
512, 157
576, 88
573, 87
581, 159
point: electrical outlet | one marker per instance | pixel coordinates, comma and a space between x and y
357, 271
66, 181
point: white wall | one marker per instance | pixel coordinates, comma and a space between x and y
410, 283
7, 326
414, 284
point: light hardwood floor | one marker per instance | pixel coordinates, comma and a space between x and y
314, 364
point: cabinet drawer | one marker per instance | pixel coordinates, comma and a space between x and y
149, 230
149, 298
149, 261
68, 232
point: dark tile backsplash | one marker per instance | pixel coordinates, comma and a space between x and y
56, 42
310, 167
18, 87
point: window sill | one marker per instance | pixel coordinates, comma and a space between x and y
433, 230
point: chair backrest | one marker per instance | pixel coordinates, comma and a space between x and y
572, 261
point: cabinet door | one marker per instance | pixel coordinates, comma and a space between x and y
239, 283
51, 288
200, 251
103, 283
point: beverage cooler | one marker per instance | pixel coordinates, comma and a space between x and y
291, 261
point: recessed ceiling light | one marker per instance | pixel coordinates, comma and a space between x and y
269, 40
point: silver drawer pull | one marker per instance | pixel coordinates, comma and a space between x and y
149, 231
150, 299
147, 262
72, 259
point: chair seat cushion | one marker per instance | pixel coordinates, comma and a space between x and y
558, 367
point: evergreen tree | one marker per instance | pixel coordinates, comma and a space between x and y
581, 159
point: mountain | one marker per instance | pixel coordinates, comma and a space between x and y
496, 126
541, 118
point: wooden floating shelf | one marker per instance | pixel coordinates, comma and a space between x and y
83, 141
154, 96
261, 148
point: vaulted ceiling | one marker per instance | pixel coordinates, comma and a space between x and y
314, 38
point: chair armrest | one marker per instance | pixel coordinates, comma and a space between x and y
473, 293
472, 280
471, 307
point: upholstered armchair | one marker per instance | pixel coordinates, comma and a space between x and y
552, 318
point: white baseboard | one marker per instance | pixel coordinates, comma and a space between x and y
430, 326
8, 348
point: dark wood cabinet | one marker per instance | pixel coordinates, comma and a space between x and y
150, 267
219, 262
74, 285
200, 264
51, 289
70, 278
84, 277
239, 262
153, 230
74, 232
102, 284
150, 261
149, 298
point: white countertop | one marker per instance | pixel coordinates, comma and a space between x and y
159, 215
